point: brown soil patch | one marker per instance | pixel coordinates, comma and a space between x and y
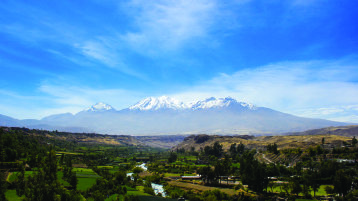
201, 188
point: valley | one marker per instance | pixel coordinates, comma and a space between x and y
195, 167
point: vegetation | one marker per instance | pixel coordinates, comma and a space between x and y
35, 165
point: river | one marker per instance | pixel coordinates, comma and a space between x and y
158, 188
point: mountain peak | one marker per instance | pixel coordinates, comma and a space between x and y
156, 103
99, 107
213, 102
165, 102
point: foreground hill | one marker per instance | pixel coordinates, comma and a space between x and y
167, 116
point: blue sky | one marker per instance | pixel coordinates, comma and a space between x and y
299, 56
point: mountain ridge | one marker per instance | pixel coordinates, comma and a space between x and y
168, 116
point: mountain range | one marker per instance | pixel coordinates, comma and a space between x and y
165, 115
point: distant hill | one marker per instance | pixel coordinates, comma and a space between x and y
348, 131
165, 142
167, 116
334, 136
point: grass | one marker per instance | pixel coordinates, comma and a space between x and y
202, 165
236, 165
201, 188
114, 197
107, 167
85, 183
171, 174
69, 153
59, 177
137, 193
83, 170
11, 195
320, 192
192, 158
86, 178
12, 177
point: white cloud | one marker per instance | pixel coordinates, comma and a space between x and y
290, 87
81, 97
348, 119
156, 29
54, 99
107, 52
168, 25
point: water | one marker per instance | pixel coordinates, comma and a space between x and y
158, 188
143, 166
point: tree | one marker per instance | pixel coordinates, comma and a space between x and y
98, 196
73, 181
207, 174
43, 184
138, 170
286, 188
240, 148
253, 173
314, 182
342, 183
217, 149
272, 148
323, 141
354, 141
233, 150
295, 186
20, 183
172, 157
3, 186
329, 190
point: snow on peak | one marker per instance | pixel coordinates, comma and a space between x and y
218, 102
162, 102
99, 107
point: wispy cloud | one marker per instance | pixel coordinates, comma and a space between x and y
291, 87
54, 99
78, 98
169, 25
107, 53
346, 113
156, 29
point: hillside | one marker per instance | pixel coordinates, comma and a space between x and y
165, 142
336, 137
161, 141
348, 131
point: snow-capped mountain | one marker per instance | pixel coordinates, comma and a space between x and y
159, 103
165, 102
218, 103
99, 107
165, 115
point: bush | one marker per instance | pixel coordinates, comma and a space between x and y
131, 198
149, 190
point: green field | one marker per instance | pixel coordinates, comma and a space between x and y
86, 178
14, 175
320, 192
137, 193
59, 177
114, 197
177, 174
85, 183
68, 153
11, 195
